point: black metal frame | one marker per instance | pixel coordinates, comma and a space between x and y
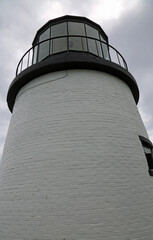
71, 18
146, 143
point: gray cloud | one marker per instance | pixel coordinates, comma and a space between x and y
132, 35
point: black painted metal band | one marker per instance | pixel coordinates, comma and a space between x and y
70, 60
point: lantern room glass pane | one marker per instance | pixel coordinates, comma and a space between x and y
99, 49
43, 50
102, 39
92, 46
92, 32
105, 51
51, 46
59, 30
76, 28
84, 44
75, 43
35, 52
59, 45
122, 63
45, 35
113, 55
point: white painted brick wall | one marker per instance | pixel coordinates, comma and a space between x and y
73, 167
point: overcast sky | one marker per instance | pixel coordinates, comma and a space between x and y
127, 23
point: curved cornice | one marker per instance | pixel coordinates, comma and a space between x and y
70, 60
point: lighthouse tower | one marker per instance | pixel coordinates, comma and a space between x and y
76, 157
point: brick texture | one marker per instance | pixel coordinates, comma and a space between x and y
73, 166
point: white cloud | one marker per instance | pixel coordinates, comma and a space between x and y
3, 106
50, 10
107, 10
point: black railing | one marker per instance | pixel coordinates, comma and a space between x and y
56, 45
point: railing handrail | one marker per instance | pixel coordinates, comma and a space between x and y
67, 36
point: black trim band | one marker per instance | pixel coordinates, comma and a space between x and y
70, 60
146, 141
147, 144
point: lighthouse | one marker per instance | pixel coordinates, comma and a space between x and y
77, 162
